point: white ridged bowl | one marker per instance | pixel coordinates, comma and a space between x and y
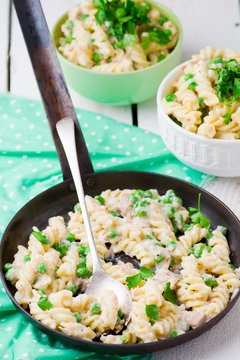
213, 156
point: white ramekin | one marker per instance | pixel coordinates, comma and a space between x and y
212, 156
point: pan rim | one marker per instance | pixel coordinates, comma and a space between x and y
121, 348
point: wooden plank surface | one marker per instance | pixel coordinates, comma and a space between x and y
22, 78
4, 27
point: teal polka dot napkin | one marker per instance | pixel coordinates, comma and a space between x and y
29, 165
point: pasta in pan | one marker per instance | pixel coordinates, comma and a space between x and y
206, 98
184, 277
116, 36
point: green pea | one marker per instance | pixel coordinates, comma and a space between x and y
113, 213
141, 212
158, 258
70, 237
192, 85
77, 208
95, 309
27, 258
161, 58
83, 250
7, 266
168, 32
112, 233
73, 289
201, 101
188, 76
78, 317
173, 334
132, 199
148, 194
96, 57
124, 339
120, 12
223, 229
171, 97
82, 262
84, 272
42, 268
100, 199
232, 266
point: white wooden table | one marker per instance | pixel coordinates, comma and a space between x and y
205, 22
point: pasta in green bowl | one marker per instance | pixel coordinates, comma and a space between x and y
117, 51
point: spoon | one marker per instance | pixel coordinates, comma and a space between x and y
100, 280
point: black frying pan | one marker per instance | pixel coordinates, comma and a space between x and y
61, 198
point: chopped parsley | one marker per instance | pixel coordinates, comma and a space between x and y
152, 312
197, 216
69, 38
134, 280
169, 294
84, 17
228, 80
227, 118
40, 237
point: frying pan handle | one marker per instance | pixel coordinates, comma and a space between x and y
51, 83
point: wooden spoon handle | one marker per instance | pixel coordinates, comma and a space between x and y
51, 83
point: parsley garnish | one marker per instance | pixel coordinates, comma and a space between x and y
228, 81
169, 294
40, 237
197, 217
84, 17
227, 118
69, 38
152, 312
134, 280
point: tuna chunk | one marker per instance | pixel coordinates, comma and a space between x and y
164, 276
125, 207
194, 318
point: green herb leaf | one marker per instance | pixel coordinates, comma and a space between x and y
227, 118
217, 60
133, 280
145, 272
69, 38
169, 294
152, 311
162, 20
84, 17
40, 237
145, 42
161, 57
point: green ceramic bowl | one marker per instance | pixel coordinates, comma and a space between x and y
120, 88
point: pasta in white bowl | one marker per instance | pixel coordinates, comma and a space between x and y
184, 278
199, 112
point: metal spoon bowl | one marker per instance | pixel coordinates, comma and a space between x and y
100, 280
